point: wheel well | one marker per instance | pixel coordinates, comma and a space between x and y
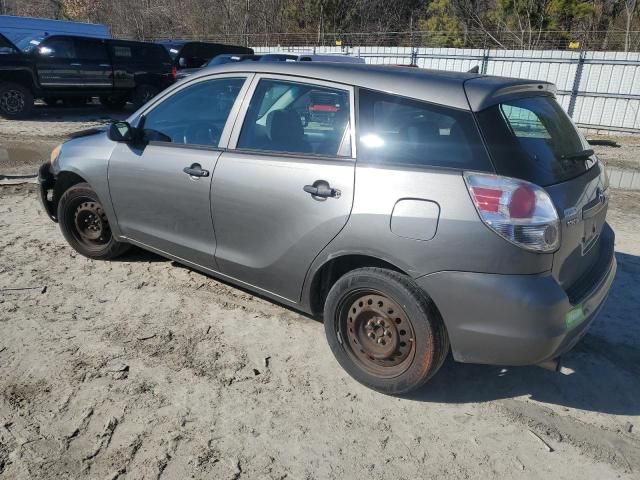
20, 77
64, 181
331, 271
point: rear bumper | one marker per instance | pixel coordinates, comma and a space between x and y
46, 182
513, 319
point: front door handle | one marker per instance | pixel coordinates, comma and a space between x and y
76, 64
321, 188
196, 170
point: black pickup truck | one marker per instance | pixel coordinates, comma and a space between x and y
72, 69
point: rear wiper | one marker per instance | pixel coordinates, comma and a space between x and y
581, 155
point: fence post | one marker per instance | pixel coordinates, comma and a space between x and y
576, 84
485, 61
414, 56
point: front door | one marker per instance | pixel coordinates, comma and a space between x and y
160, 189
57, 64
286, 189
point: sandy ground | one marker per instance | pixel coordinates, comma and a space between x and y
141, 368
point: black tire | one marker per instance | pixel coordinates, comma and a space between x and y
85, 226
51, 101
142, 94
113, 103
75, 102
384, 330
16, 101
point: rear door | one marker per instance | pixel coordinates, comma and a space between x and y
95, 65
282, 191
534, 139
57, 63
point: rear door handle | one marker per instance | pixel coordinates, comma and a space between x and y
76, 64
321, 188
196, 170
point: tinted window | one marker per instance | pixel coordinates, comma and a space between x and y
195, 115
533, 139
397, 130
94, 50
131, 52
62, 48
297, 118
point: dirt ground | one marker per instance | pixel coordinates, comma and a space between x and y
143, 369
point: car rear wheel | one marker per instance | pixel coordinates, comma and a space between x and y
16, 101
142, 94
85, 226
384, 330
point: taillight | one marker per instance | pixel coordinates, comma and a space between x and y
174, 72
519, 211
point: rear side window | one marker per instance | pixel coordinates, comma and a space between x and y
94, 50
534, 139
296, 117
396, 130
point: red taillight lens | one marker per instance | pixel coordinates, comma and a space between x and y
523, 202
488, 199
521, 212
174, 72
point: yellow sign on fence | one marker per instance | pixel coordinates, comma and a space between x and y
574, 45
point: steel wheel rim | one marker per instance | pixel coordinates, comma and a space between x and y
12, 101
377, 333
89, 223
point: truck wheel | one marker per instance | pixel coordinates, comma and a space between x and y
384, 330
142, 94
16, 101
51, 101
113, 103
85, 226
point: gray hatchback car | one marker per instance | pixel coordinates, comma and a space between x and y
418, 212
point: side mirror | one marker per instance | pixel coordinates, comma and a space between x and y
121, 132
182, 62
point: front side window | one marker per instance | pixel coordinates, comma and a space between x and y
58, 48
534, 139
196, 115
297, 118
395, 130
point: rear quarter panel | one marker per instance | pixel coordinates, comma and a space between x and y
461, 242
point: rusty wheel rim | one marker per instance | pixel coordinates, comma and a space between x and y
378, 333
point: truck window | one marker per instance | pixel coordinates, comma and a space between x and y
90, 49
59, 48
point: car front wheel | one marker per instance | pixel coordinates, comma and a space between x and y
85, 226
384, 330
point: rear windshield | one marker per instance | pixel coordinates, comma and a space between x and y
534, 139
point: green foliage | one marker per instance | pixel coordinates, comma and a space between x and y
444, 27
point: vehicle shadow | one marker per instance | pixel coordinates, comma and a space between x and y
602, 373
603, 370
92, 112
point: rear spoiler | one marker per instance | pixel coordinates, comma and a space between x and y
483, 92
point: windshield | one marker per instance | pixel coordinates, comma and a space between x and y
534, 139
27, 44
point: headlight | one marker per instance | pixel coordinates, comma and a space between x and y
55, 153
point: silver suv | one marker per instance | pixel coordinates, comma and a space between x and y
416, 211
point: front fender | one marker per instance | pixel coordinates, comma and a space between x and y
88, 157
